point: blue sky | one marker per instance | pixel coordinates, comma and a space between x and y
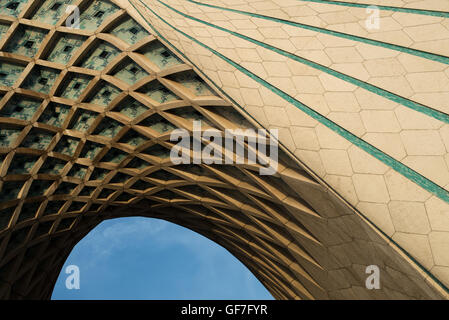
141, 258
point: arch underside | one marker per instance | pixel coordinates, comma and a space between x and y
85, 122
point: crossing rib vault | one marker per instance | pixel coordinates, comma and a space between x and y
86, 115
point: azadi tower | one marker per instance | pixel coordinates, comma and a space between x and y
90, 91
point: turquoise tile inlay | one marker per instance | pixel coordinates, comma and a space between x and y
8, 136
22, 163
83, 119
65, 47
41, 79
12, 8
130, 107
9, 73
160, 55
129, 31
156, 91
96, 13
26, 41
55, 114
193, 83
51, 11
20, 107
106, 93
74, 85
100, 56
129, 72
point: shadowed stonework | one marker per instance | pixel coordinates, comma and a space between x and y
86, 116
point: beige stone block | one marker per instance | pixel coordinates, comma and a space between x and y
371, 52
408, 20
299, 118
305, 138
432, 167
343, 55
413, 63
403, 189
342, 101
308, 84
438, 213
336, 162
411, 119
396, 84
439, 241
387, 67
316, 102
331, 83
380, 121
356, 70
344, 186
251, 96
409, 217
350, 121
427, 32
442, 274
422, 142
379, 215
247, 54
429, 81
277, 116
312, 159
371, 101
390, 143
338, 17
277, 69
370, 188
417, 245
330, 140
363, 162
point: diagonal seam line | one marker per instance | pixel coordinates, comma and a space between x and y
224, 58
367, 86
415, 52
434, 13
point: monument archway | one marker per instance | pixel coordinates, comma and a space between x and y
85, 122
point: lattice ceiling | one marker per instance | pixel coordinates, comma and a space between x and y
85, 120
